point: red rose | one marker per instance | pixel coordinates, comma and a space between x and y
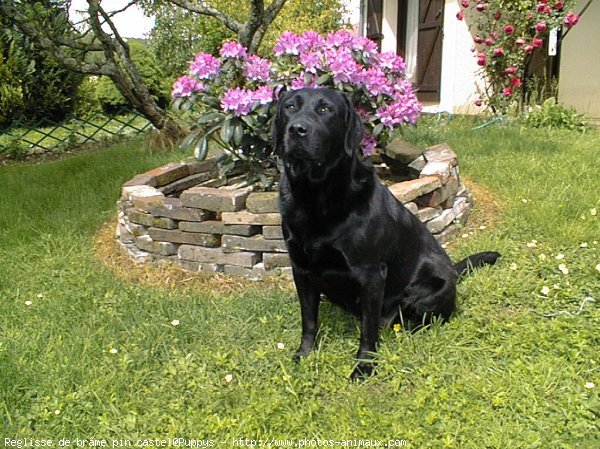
507, 91
489, 41
498, 15
511, 70
478, 102
481, 7
498, 52
541, 27
460, 15
509, 29
516, 82
537, 42
571, 20
559, 6
465, 3
478, 40
528, 48
519, 42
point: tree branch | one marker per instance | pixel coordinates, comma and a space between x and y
206, 10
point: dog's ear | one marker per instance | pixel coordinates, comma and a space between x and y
277, 122
354, 129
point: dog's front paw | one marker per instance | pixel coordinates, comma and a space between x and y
363, 371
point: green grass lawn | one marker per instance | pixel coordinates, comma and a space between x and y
85, 354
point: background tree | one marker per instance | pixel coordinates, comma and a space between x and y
33, 85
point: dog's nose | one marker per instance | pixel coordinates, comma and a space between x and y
300, 129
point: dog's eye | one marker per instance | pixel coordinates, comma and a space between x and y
325, 109
290, 107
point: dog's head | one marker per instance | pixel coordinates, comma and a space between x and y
316, 126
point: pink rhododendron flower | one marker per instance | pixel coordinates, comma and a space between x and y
237, 100
375, 81
312, 61
288, 44
233, 49
257, 68
186, 86
263, 95
391, 61
340, 39
205, 66
571, 20
344, 68
368, 144
310, 41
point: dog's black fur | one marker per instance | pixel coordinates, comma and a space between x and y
347, 236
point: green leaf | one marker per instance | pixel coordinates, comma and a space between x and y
377, 130
212, 116
238, 134
226, 131
201, 149
323, 78
189, 140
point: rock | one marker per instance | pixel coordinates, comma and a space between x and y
256, 272
145, 243
273, 232
217, 256
173, 209
142, 179
256, 243
440, 223
184, 183
441, 169
243, 217
402, 151
214, 199
428, 213
276, 260
149, 220
438, 196
168, 173
206, 227
412, 208
190, 238
263, 202
143, 197
409, 190
448, 234
441, 153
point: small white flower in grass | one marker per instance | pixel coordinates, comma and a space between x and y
114, 351
598, 267
545, 290
563, 268
532, 244
464, 236
40, 295
482, 227
559, 256
513, 266
280, 346
175, 323
57, 412
593, 212
28, 303
556, 287
524, 200
228, 378
542, 257
583, 245
590, 385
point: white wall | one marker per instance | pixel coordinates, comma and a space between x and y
460, 72
579, 79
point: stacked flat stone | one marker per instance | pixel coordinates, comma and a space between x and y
183, 214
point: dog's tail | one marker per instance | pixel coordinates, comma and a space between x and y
474, 261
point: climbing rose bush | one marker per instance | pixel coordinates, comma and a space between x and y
505, 34
231, 98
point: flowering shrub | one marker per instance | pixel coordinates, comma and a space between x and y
506, 34
230, 98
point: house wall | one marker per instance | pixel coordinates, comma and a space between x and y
579, 84
460, 72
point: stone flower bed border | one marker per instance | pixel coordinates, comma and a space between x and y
181, 213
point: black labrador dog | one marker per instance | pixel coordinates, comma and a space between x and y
347, 236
